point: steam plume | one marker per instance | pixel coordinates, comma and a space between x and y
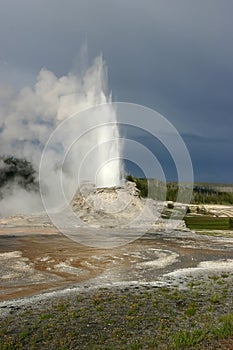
28, 118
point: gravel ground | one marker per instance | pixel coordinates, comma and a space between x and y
199, 316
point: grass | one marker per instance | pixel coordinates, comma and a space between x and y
188, 339
208, 223
191, 310
226, 326
144, 318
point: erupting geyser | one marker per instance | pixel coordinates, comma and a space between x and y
109, 172
28, 120
98, 149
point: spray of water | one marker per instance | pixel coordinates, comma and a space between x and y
28, 118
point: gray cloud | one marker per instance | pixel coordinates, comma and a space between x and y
173, 56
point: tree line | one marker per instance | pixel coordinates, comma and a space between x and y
202, 193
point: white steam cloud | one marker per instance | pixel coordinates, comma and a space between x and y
28, 118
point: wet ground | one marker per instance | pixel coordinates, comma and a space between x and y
35, 260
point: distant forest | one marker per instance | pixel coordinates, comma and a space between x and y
21, 172
205, 193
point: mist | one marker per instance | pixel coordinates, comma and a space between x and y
29, 117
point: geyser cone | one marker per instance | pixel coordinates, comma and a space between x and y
111, 207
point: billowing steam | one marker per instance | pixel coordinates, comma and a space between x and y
28, 118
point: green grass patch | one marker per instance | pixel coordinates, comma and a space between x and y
207, 223
161, 318
191, 310
226, 327
188, 339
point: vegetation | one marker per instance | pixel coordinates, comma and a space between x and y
208, 195
198, 317
202, 192
208, 223
140, 183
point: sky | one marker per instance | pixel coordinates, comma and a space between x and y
175, 57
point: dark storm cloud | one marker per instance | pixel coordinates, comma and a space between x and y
173, 56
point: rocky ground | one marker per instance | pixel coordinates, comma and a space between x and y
163, 290
199, 316
33, 260
212, 209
